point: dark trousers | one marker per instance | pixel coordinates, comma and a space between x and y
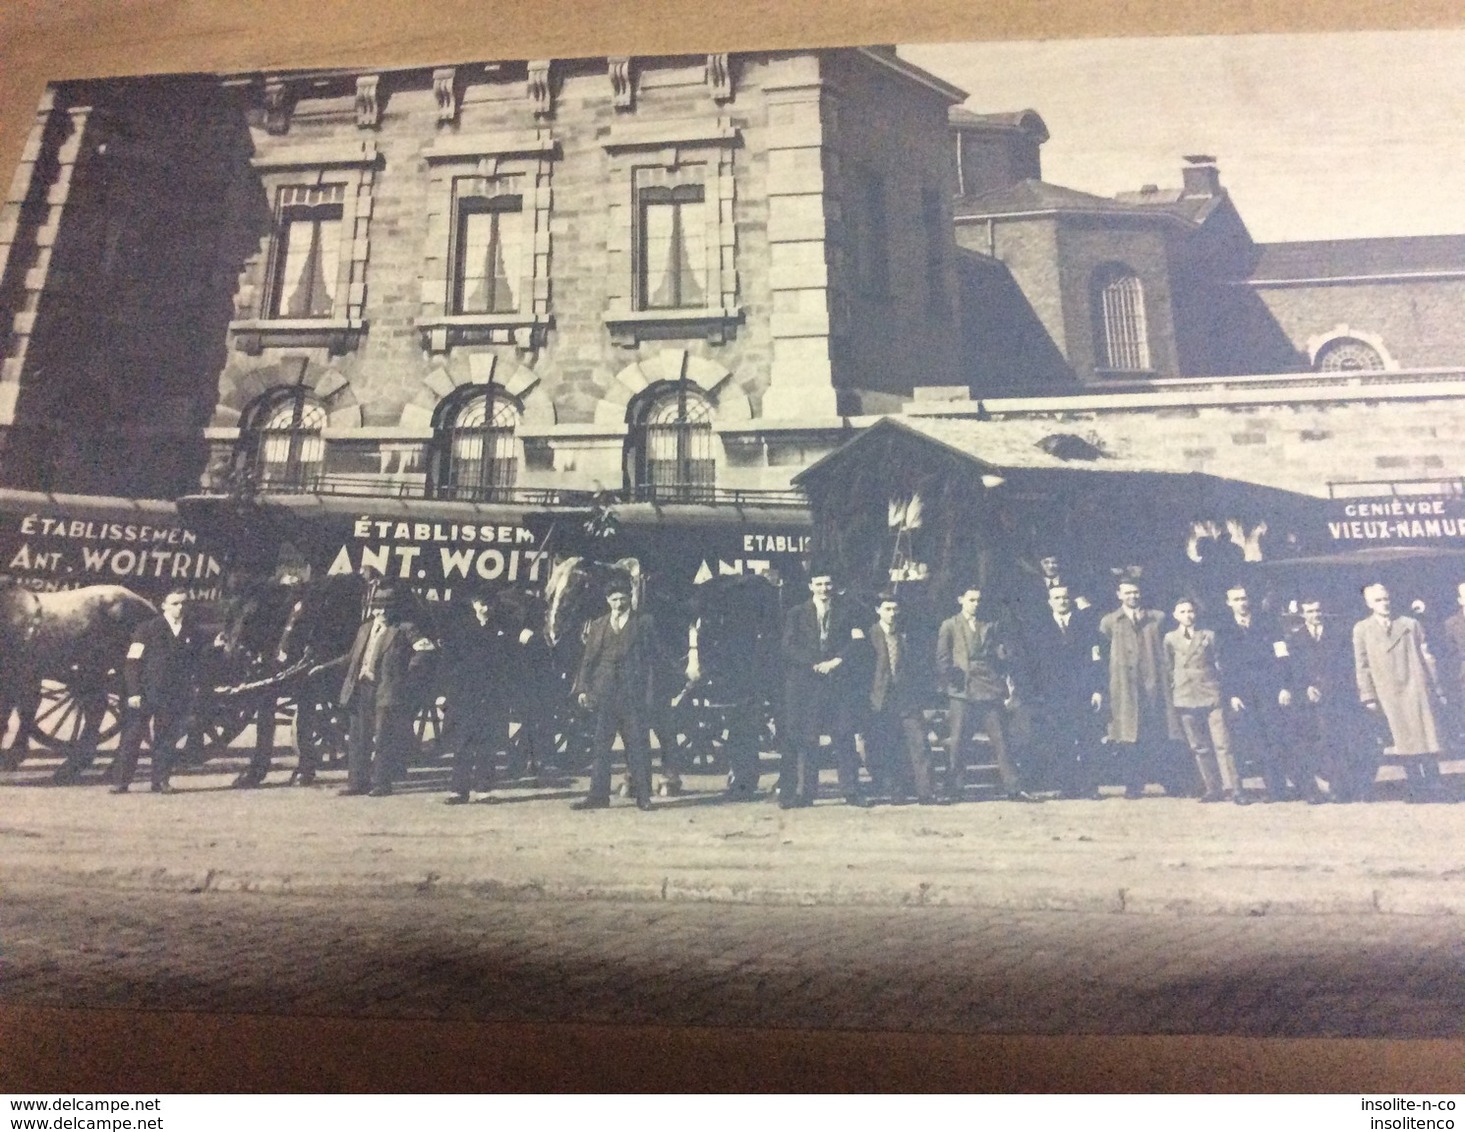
1064, 736
475, 736
798, 771
169, 724
1256, 736
962, 718
1334, 745
742, 721
377, 745
264, 738
896, 747
629, 722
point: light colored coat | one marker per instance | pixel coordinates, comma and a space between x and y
1139, 687
972, 665
1195, 678
1394, 666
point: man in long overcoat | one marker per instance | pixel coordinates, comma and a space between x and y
483, 668
1453, 660
1396, 677
1141, 722
1320, 709
383, 678
1065, 687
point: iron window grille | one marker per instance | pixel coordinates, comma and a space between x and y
1123, 334
673, 448
285, 446
477, 451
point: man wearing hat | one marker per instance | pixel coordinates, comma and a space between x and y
615, 681
382, 673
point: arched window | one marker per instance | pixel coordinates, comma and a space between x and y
671, 445
1343, 355
477, 457
1122, 342
282, 437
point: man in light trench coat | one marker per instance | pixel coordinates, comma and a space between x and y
1396, 676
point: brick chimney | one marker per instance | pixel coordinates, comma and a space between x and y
1201, 177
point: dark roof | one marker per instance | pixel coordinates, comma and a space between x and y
1014, 451
1025, 121
1195, 207
1039, 196
1332, 259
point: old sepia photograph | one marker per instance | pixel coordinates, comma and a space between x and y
943, 539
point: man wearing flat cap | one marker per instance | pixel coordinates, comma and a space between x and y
382, 676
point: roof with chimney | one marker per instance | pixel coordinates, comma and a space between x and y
1344, 259
1194, 207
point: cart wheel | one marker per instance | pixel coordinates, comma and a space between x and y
81, 712
318, 732
212, 733
427, 726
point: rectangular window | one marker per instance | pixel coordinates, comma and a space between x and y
871, 234
936, 233
490, 249
307, 251
671, 245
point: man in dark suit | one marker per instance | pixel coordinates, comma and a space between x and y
1319, 708
1452, 667
484, 667
973, 660
1065, 688
896, 730
1251, 679
615, 681
161, 673
383, 677
819, 639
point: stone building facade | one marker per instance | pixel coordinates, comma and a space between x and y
670, 276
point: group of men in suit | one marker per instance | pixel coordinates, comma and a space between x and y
1070, 703
1100, 701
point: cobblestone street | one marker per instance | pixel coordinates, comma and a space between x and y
931, 969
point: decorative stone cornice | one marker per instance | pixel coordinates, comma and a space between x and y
445, 90
541, 92
368, 108
622, 81
719, 77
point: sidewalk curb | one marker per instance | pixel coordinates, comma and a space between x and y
1418, 899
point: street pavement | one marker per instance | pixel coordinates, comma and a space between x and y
1150, 856
1155, 916
457, 957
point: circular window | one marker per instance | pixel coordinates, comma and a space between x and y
1346, 354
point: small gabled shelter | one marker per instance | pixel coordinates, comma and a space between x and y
931, 505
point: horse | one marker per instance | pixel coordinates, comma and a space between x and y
73, 638
724, 712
